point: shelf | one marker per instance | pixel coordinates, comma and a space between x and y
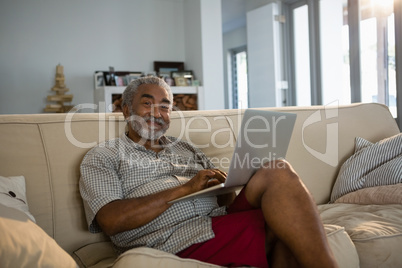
103, 96
184, 90
175, 90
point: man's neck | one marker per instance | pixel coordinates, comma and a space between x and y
153, 145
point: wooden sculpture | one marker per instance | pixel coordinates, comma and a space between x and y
60, 98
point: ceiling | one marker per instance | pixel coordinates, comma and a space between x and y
234, 12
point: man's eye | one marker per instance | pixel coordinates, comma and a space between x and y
147, 103
165, 107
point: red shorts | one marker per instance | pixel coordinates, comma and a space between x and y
239, 238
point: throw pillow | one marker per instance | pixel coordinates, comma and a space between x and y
13, 194
379, 195
371, 165
24, 244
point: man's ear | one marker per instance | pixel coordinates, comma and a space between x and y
126, 112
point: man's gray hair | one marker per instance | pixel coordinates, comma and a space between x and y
132, 88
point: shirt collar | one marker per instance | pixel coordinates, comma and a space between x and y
165, 142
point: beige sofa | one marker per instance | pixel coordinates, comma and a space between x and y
47, 149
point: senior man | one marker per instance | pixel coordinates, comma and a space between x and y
126, 184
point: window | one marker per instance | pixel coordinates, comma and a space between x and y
240, 82
350, 54
302, 56
377, 50
334, 43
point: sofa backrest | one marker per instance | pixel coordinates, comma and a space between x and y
47, 149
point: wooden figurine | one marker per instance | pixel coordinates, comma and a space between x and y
60, 98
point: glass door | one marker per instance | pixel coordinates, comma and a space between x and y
335, 52
240, 80
301, 54
377, 43
357, 41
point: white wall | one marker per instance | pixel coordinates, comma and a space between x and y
235, 36
203, 45
264, 57
212, 60
192, 29
83, 36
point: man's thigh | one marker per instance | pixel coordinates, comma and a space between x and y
239, 238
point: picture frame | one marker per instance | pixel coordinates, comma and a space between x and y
187, 75
180, 81
182, 73
151, 73
99, 80
110, 78
166, 67
189, 80
132, 76
120, 80
169, 80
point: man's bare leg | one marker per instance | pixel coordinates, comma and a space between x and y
278, 253
291, 214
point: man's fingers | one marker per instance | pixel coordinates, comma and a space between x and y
216, 174
221, 172
213, 182
220, 175
205, 175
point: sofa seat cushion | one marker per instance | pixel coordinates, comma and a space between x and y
95, 255
101, 255
148, 257
376, 230
342, 246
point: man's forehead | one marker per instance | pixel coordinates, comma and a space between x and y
153, 90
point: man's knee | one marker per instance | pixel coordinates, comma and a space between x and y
275, 175
278, 164
277, 171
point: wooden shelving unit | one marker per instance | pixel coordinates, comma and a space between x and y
104, 96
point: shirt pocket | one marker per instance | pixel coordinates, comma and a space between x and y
186, 166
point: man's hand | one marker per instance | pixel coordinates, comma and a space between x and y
206, 178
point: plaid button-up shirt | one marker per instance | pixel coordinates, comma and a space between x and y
121, 169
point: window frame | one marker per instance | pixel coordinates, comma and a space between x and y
233, 61
354, 50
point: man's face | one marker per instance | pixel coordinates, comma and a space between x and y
150, 114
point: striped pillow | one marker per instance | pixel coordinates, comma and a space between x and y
371, 165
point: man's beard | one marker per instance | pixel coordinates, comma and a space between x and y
140, 126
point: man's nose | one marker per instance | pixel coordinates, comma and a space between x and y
156, 113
